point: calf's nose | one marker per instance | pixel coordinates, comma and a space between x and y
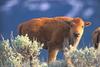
76, 34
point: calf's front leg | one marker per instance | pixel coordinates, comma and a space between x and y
52, 54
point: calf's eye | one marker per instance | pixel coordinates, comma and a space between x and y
82, 26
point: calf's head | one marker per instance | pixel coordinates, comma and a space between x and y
77, 28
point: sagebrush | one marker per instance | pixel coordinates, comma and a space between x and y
22, 52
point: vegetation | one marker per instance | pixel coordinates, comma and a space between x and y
21, 52
17, 51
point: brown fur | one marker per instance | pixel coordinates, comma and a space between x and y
96, 37
53, 31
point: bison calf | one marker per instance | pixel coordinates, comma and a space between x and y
96, 37
54, 32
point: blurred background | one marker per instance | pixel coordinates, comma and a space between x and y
14, 12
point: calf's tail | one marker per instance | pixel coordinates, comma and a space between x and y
20, 29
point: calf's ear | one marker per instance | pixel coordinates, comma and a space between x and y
87, 23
